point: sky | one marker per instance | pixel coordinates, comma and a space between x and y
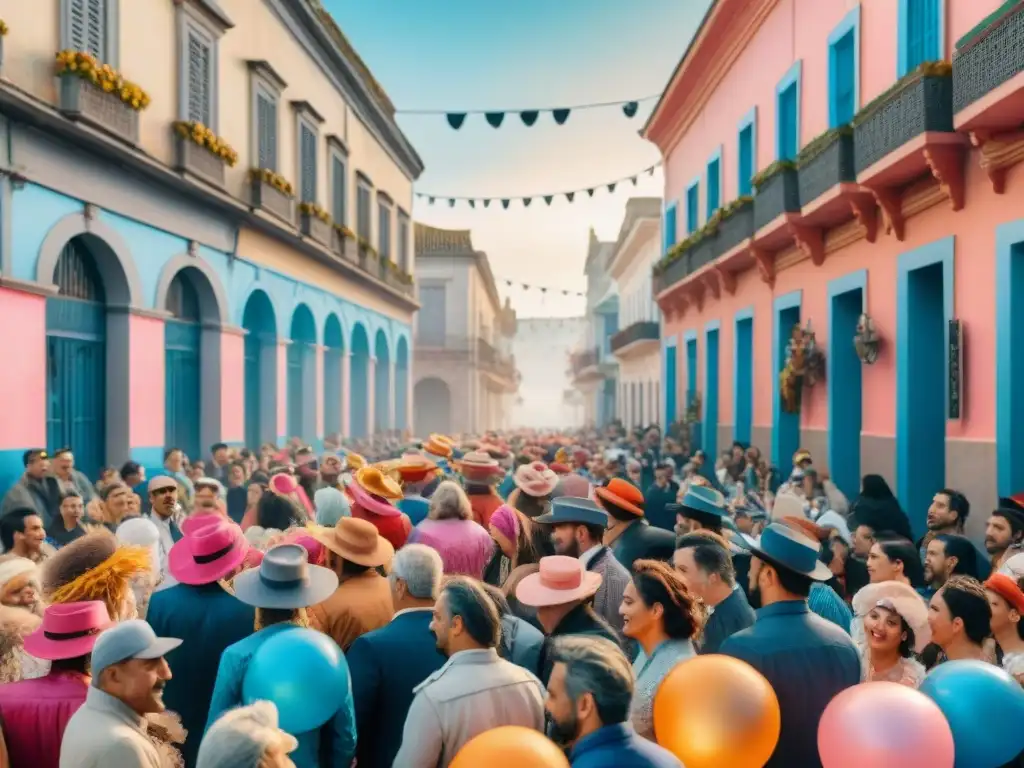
462, 55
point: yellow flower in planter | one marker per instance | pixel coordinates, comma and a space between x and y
103, 76
3, 28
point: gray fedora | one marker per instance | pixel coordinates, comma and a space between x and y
285, 579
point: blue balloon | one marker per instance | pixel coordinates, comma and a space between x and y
303, 673
985, 710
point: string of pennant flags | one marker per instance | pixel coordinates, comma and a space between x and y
529, 117
541, 288
548, 198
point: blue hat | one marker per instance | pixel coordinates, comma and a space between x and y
787, 548
133, 639
572, 509
702, 500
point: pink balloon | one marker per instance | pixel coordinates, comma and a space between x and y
884, 724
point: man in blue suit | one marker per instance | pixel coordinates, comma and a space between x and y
388, 663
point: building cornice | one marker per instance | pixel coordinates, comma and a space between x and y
306, 109
643, 229
727, 29
262, 68
211, 10
316, 30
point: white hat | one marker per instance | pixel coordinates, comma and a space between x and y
787, 505
1013, 566
900, 598
832, 519
12, 567
142, 532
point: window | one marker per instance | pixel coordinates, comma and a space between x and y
403, 240
384, 227
787, 108
714, 184
843, 65
431, 316
693, 208
920, 33
307, 163
199, 78
339, 186
668, 227
363, 223
91, 26
266, 87
745, 154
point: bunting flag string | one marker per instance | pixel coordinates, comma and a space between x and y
496, 117
548, 198
542, 288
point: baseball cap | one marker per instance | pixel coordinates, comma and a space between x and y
160, 482
133, 639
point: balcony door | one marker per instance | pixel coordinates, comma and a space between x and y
432, 316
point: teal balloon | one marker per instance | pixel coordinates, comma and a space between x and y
303, 673
985, 710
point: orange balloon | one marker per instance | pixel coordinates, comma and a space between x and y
714, 711
510, 746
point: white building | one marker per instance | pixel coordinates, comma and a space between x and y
546, 396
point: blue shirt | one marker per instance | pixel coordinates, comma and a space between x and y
808, 661
619, 746
827, 603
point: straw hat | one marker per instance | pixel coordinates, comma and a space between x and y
354, 461
439, 445
375, 482
478, 465
357, 541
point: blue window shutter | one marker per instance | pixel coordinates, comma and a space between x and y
788, 139
746, 159
843, 80
714, 186
692, 209
921, 36
669, 227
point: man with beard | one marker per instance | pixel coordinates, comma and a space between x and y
588, 703
947, 555
577, 530
476, 690
1004, 533
948, 515
129, 673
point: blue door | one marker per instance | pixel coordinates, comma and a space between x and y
843, 63
671, 385
299, 362
76, 357
691, 390
746, 159
182, 397
710, 424
920, 34
788, 122
714, 186
744, 386
253, 392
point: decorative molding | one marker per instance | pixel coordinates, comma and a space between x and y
710, 281
998, 153
263, 69
151, 314
89, 210
810, 242
889, 200
947, 165
864, 211
765, 262
305, 109
193, 249
26, 286
211, 11
337, 143
727, 279
697, 291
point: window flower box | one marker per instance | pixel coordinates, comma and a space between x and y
315, 223
704, 251
345, 243
736, 224
368, 260
920, 102
97, 94
778, 192
824, 163
199, 151
990, 55
271, 193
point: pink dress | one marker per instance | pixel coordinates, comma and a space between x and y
465, 547
35, 714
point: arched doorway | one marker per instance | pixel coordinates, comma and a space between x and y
302, 376
334, 351
432, 404
260, 324
182, 342
381, 384
359, 369
76, 351
402, 385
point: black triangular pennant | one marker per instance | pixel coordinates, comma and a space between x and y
611, 187
590, 192
495, 118
431, 201
504, 203
456, 119
569, 196
529, 117
548, 199
560, 115
633, 179
629, 108
472, 203
487, 202
527, 201
650, 171
451, 202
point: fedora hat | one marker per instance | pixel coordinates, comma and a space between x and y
193, 523
439, 445
569, 509
69, 630
622, 494
285, 579
535, 479
415, 468
560, 580
787, 505
478, 465
357, 541
209, 554
701, 501
789, 548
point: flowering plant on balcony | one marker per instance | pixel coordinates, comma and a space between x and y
71, 63
344, 232
274, 179
315, 211
3, 28
365, 245
202, 136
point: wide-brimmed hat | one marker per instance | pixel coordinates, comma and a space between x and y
209, 554
331, 464
439, 445
415, 468
785, 547
818, 532
623, 495
69, 630
357, 541
903, 600
569, 509
787, 505
372, 490
354, 461
701, 501
193, 523
477, 465
535, 479
285, 579
560, 580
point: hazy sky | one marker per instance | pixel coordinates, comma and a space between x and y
483, 54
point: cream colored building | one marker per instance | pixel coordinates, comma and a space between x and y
466, 376
593, 369
245, 280
637, 345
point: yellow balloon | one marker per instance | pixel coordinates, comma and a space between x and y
510, 746
715, 711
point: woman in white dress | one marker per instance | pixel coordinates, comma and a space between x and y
895, 626
1006, 598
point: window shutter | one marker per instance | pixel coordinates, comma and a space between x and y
338, 188
200, 103
87, 27
266, 128
307, 154
714, 197
746, 163
363, 212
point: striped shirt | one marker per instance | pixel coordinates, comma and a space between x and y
827, 603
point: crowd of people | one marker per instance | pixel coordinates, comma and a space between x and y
547, 581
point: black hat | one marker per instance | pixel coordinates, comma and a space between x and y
572, 509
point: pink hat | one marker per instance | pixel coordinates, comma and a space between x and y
576, 485
377, 505
505, 521
284, 483
559, 581
535, 479
68, 630
209, 554
193, 523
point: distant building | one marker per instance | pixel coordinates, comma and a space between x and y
466, 378
547, 397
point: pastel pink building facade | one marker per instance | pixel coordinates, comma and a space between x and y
854, 173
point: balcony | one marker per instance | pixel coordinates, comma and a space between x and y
585, 365
988, 90
636, 339
470, 351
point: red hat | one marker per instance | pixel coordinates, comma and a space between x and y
1007, 589
622, 494
414, 468
69, 630
559, 468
